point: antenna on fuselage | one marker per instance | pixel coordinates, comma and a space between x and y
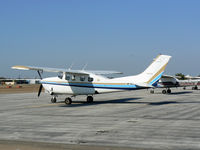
84, 66
71, 66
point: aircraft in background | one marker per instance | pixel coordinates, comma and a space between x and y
168, 82
188, 77
85, 82
190, 81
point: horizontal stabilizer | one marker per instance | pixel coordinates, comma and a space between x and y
144, 85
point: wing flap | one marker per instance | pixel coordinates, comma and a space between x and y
102, 72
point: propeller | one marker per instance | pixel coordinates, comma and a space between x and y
40, 89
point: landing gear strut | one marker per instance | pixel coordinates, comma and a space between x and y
195, 88
89, 99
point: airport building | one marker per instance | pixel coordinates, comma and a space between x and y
19, 81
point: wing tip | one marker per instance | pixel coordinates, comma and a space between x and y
20, 67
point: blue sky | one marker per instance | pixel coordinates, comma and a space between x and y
121, 35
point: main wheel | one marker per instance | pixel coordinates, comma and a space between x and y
152, 91
169, 91
89, 99
164, 91
68, 101
53, 100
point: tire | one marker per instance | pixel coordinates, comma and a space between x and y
89, 99
169, 91
164, 91
68, 101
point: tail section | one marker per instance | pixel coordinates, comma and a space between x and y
154, 72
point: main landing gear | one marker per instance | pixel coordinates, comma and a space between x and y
68, 100
195, 87
89, 99
167, 91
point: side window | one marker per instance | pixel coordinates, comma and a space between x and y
60, 75
90, 79
67, 77
73, 77
82, 78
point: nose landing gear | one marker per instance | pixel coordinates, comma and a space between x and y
53, 99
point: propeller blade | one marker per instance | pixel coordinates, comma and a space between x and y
40, 89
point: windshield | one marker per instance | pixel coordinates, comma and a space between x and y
60, 75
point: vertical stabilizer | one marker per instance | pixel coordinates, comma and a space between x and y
154, 72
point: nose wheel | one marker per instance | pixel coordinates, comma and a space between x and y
53, 99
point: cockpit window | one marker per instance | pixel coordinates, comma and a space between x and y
60, 75
82, 78
73, 77
67, 77
90, 79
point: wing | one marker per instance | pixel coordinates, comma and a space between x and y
102, 72
86, 72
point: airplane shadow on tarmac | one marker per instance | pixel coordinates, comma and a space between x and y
177, 93
173, 102
129, 101
180, 93
114, 101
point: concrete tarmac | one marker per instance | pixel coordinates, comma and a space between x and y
126, 120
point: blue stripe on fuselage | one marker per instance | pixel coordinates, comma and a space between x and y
102, 86
156, 79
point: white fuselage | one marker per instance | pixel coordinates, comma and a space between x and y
85, 85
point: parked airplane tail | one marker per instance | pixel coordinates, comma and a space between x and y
154, 72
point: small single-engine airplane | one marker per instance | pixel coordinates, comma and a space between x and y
85, 82
168, 82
